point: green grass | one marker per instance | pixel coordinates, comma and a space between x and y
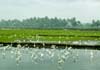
47, 35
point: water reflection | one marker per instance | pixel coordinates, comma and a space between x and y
60, 59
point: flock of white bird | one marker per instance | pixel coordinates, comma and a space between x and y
40, 55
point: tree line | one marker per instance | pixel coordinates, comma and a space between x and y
49, 23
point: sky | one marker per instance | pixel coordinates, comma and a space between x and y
83, 10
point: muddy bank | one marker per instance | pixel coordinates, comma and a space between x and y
45, 44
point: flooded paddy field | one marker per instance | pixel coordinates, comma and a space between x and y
21, 58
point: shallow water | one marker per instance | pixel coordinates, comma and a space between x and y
48, 59
89, 42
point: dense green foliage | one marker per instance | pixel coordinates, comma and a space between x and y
46, 22
47, 35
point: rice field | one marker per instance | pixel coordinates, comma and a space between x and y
12, 35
